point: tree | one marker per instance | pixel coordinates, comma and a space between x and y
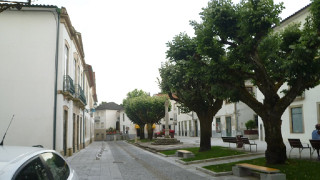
149, 109
272, 61
187, 76
145, 109
129, 110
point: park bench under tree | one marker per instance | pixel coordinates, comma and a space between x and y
296, 143
229, 140
184, 154
247, 142
315, 144
266, 173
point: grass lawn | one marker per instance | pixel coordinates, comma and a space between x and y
216, 151
295, 169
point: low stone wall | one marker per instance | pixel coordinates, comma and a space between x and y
165, 141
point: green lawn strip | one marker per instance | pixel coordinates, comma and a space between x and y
294, 169
141, 140
216, 151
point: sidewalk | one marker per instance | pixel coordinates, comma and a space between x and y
88, 167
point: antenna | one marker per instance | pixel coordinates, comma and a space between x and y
6, 131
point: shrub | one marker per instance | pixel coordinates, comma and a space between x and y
251, 124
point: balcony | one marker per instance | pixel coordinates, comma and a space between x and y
68, 87
79, 96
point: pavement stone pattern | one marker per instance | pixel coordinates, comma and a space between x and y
120, 160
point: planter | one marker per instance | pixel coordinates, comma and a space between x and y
251, 134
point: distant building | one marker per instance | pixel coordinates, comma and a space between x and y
46, 83
107, 116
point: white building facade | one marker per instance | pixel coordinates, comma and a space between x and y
47, 85
299, 119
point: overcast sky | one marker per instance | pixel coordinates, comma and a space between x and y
125, 40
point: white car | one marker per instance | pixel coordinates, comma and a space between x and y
34, 163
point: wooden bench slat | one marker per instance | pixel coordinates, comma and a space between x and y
258, 168
184, 151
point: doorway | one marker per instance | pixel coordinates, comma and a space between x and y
196, 128
74, 133
228, 126
65, 128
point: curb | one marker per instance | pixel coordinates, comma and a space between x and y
214, 173
217, 159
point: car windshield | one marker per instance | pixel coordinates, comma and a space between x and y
57, 166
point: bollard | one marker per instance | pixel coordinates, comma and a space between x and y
135, 139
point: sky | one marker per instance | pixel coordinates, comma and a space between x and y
125, 40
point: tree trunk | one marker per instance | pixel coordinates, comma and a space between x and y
150, 131
276, 150
142, 131
205, 132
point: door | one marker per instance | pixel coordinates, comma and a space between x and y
196, 128
65, 127
228, 126
74, 134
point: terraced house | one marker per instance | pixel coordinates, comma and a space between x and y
46, 83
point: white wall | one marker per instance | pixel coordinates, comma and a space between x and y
27, 76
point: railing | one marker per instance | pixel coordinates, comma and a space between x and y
68, 84
80, 94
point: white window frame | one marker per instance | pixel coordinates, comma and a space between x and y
291, 120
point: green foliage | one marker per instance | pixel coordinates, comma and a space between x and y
251, 124
144, 109
294, 169
236, 44
215, 152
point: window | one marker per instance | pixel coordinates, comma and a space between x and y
123, 117
256, 119
57, 165
74, 68
66, 59
318, 104
102, 124
296, 120
249, 89
33, 170
218, 125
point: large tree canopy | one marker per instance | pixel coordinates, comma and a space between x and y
241, 45
187, 76
129, 110
145, 109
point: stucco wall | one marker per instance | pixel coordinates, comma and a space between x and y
27, 76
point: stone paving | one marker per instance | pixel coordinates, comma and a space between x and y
89, 165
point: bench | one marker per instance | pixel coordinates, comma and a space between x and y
296, 143
315, 144
184, 154
229, 140
247, 142
245, 169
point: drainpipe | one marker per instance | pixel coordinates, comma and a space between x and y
56, 81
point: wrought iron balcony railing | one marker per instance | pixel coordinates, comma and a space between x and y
68, 84
80, 94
